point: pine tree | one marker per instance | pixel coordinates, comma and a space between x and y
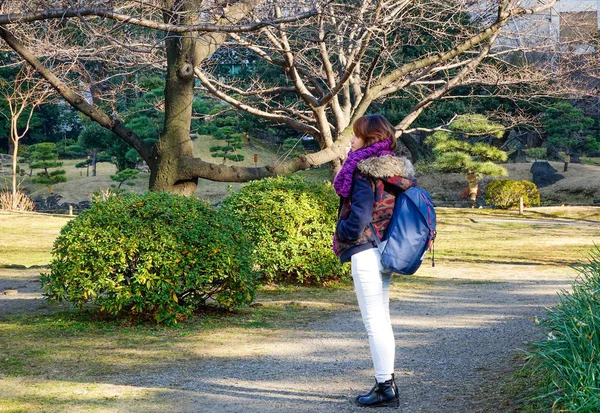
229, 151
462, 149
45, 156
569, 129
126, 176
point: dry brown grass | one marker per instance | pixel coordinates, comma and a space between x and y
23, 202
79, 186
266, 156
582, 213
580, 185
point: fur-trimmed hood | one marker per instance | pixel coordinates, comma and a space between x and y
387, 167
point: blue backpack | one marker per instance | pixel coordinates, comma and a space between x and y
410, 234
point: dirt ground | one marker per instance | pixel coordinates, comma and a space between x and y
455, 342
28, 298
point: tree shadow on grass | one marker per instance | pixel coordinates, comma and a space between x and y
465, 259
540, 214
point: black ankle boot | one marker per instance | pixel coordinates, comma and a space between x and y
367, 394
382, 395
373, 389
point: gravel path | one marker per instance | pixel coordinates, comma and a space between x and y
454, 341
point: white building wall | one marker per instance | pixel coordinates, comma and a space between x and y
541, 29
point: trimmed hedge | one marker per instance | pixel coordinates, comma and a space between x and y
290, 222
157, 255
505, 193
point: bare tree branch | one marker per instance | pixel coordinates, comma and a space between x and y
60, 14
75, 100
266, 115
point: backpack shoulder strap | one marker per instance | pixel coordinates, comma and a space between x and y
375, 236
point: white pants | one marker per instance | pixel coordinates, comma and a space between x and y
373, 293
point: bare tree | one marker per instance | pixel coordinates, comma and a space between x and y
353, 55
339, 58
23, 95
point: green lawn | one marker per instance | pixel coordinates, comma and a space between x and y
27, 238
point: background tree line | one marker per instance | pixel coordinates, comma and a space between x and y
300, 71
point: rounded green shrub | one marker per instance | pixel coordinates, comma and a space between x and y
505, 193
291, 223
155, 255
537, 153
532, 195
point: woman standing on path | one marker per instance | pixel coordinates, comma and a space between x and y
367, 184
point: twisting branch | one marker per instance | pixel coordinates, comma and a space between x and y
452, 83
494, 29
291, 68
381, 88
193, 167
318, 89
266, 115
60, 14
78, 102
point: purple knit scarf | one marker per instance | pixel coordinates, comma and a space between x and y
343, 181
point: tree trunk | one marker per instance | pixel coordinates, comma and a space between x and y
175, 142
184, 52
94, 157
15, 150
10, 144
473, 187
334, 168
412, 145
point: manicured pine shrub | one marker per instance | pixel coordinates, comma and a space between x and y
291, 223
570, 354
505, 193
154, 255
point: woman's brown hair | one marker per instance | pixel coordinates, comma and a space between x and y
374, 128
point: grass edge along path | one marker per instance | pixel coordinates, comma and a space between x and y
567, 360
